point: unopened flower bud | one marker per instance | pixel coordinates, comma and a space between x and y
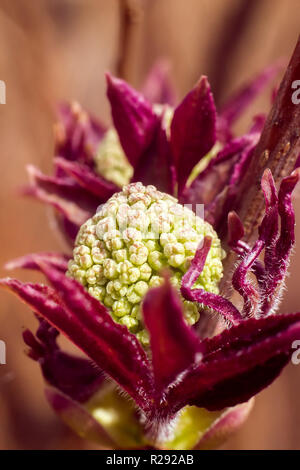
121, 251
111, 161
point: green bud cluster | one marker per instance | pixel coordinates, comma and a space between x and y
111, 161
120, 252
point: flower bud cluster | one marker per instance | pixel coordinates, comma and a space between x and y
111, 161
120, 252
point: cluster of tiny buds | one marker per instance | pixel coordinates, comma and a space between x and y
120, 252
110, 159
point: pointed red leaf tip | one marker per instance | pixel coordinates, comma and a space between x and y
79, 419
235, 242
96, 316
70, 200
278, 148
174, 344
156, 164
278, 241
245, 287
73, 203
268, 228
193, 129
238, 363
213, 187
225, 426
77, 133
244, 97
33, 261
70, 210
63, 187
197, 263
268, 188
286, 212
87, 179
74, 376
133, 118
263, 298
235, 229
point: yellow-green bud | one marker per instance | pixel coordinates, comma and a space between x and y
119, 253
111, 161
167, 112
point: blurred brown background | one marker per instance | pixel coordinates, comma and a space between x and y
59, 49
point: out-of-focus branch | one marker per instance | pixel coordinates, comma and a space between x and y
132, 13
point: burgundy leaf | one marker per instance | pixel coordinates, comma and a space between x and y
237, 364
193, 129
87, 179
133, 118
79, 419
63, 187
245, 96
236, 177
197, 263
155, 165
278, 245
74, 203
216, 302
235, 242
95, 315
174, 345
221, 305
278, 149
264, 299
74, 376
78, 134
287, 215
225, 426
235, 231
210, 183
70, 210
243, 285
33, 261
87, 323
68, 229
